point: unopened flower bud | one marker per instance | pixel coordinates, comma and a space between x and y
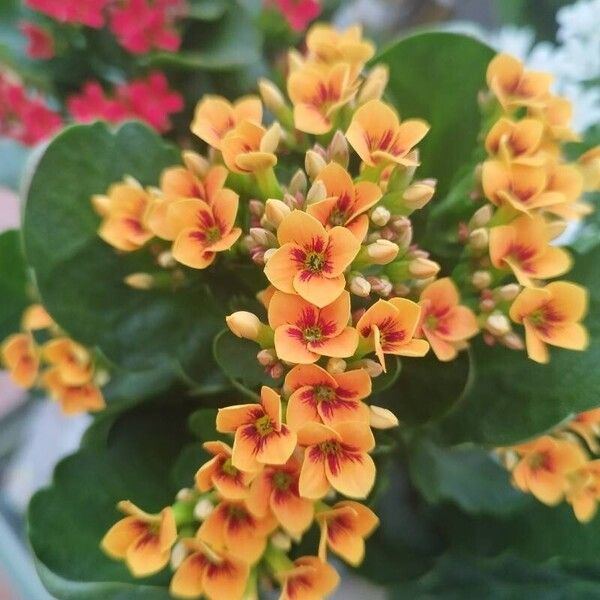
509, 292
419, 194
203, 509
314, 163
281, 541
197, 164
298, 183
423, 268
139, 281
336, 365
266, 357
262, 237
372, 367
401, 289
268, 253
256, 208
382, 286
276, 371
481, 217
295, 60
165, 260
513, 341
481, 279
271, 138
184, 495
382, 418
276, 211
403, 228
317, 192
359, 286
374, 85
487, 305
479, 238
101, 377
380, 216
382, 252
338, 149
271, 95
178, 555
497, 324
244, 324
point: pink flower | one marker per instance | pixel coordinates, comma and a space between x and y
141, 25
92, 104
298, 13
85, 12
151, 100
40, 43
24, 117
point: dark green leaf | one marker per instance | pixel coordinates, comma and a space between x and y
13, 283
426, 388
132, 460
513, 398
81, 278
389, 378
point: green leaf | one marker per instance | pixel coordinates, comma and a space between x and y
237, 359
80, 277
388, 379
13, 283
206, 10
457, 577
513, 398
465, 475
436, 76
425, 388
132, 460
230, 43
202, 425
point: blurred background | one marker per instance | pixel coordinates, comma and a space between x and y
553, 35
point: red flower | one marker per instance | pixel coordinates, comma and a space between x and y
141, 25
298, 13
85, 12
40, 43
92, 104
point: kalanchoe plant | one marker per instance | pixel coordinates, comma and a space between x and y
360, 268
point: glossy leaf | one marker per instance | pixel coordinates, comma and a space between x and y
13, 283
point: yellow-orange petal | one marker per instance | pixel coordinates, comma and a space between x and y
145, 557
290, 347
318, 289
281, 268
187, 579
342, 345
230, 418
122, 535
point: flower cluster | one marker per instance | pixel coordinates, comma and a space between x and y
347, 285
69, 375
559, 466
531, 192
24, 117
298, 13
149, 99
138, 25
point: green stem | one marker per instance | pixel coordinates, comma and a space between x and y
277, 560
183, 511
268, 184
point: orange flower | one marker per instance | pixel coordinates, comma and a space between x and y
584, 491
275, 490
72, 361
445, 323
206, 573
178, 183
73, 399
523, 247
388, 327
378, 136
337, 456
20, 357
203, 230
231, 527
550, 315
587, 425
311, 261
519, 186
260, 436
516, 141
317, 93
304, 332
320, 396
123, 211
143, 540
220, 474
344, 529
35, 318
556, 114
568, 181
309, 579
328, 45
544, 465
346, 202
250, 147
514, 86
215, 117
589, 165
